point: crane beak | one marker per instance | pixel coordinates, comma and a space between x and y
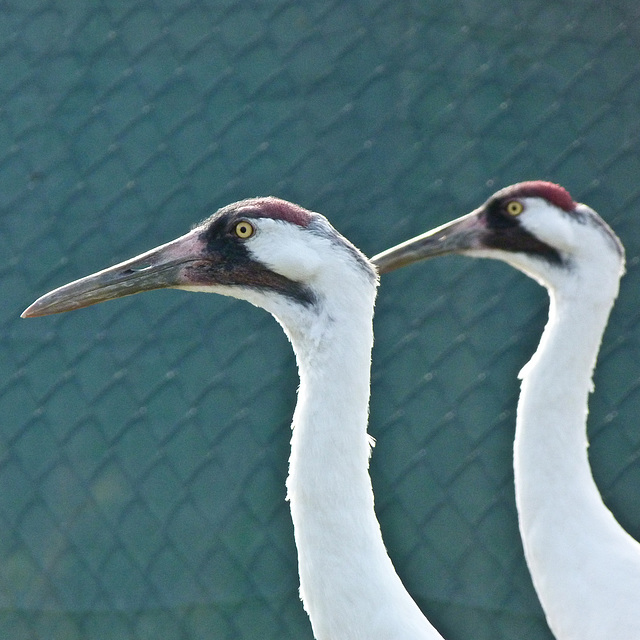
463, 234
165, 266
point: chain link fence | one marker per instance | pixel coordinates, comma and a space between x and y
144, 442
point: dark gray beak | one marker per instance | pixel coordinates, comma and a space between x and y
165, 266
459, 235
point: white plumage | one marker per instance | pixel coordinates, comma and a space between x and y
321, 289
584, 566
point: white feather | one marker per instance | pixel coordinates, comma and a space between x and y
348, 584
584, 566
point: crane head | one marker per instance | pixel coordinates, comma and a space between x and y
534, 226
268, 251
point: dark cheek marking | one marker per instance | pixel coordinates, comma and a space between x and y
504, 232
247, 274
517, 240
229, 263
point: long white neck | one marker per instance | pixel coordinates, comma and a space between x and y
584, 566
347, 581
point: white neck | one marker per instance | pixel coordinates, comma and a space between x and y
584, 566
347, 581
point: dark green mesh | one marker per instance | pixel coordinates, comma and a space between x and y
144, 443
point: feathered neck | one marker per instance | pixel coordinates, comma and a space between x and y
347, 581
584, 566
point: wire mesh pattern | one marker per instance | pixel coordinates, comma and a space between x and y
144, 444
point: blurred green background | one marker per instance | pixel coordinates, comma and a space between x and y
144, 442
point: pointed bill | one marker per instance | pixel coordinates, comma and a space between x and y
162, 267
462, 234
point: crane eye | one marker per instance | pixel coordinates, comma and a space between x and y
514, 208
244, 229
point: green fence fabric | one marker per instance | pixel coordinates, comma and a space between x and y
144, 442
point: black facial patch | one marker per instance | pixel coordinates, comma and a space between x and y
505, 232
227, 261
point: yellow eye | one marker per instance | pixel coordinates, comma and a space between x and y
514, 208
244, 229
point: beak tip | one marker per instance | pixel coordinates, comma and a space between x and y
27, 312
31, 311
43, 306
